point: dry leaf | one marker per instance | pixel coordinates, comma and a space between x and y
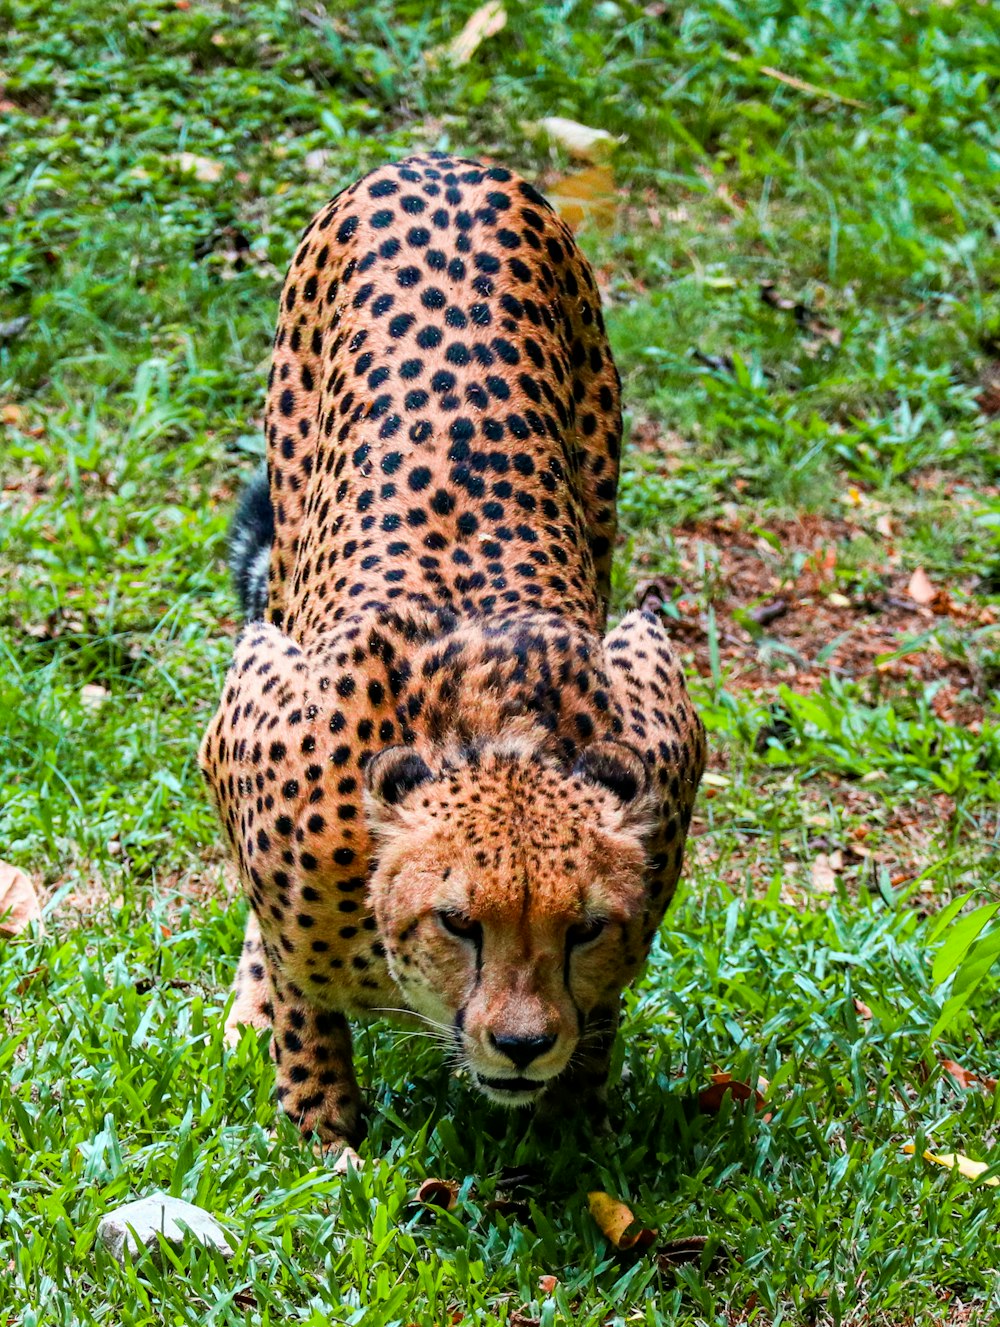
710, 1098
920, 589
348, 1158
487, 21
617, 1222
93, 696
202, 168
19, 905
586, 196
862, 1009
26, 982
966, 1078
579, 140
825, 869
438, 1193
11, 414
972, 1170
547, 1284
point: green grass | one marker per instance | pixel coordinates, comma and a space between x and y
132, 407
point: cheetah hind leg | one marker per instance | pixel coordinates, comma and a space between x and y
252, 1004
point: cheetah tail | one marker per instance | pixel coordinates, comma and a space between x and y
250, 538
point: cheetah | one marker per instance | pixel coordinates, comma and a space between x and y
450, 792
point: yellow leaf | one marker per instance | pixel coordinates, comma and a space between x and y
617, 1221
19, 905
579, 140
972, 1170
586, 195
487, 21
202, 168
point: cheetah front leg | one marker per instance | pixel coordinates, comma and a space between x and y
661, 723
253, 1003
316, 1085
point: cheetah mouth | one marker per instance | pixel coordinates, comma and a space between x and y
511, 1091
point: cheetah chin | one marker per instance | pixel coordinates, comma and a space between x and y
448, 788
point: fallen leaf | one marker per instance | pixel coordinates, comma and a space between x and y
920, 588
579, 140
586, 196
202, 168
438, 1193
547, 1284
972, 1170
618, 1223
966, 1078
710, 1098
19, 905
346, 1161
862, 1009
486, 21
26, 982
93, 696
825, 870
11, 414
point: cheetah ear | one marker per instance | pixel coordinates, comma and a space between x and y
620, 770
393, 774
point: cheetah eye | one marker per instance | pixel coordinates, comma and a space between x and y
457, 924
585, 932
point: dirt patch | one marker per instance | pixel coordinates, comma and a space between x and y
786, 608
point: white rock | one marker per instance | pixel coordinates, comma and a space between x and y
159, 1214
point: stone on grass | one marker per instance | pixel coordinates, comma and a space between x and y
159, 1214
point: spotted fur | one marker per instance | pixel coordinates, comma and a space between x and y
447, 790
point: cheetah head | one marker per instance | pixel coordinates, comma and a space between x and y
509, 895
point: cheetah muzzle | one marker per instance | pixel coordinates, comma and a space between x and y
451, 794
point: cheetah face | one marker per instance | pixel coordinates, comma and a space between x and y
509, 895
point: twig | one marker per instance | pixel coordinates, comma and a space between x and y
801, 85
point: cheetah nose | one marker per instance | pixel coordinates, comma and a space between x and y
522, 1050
